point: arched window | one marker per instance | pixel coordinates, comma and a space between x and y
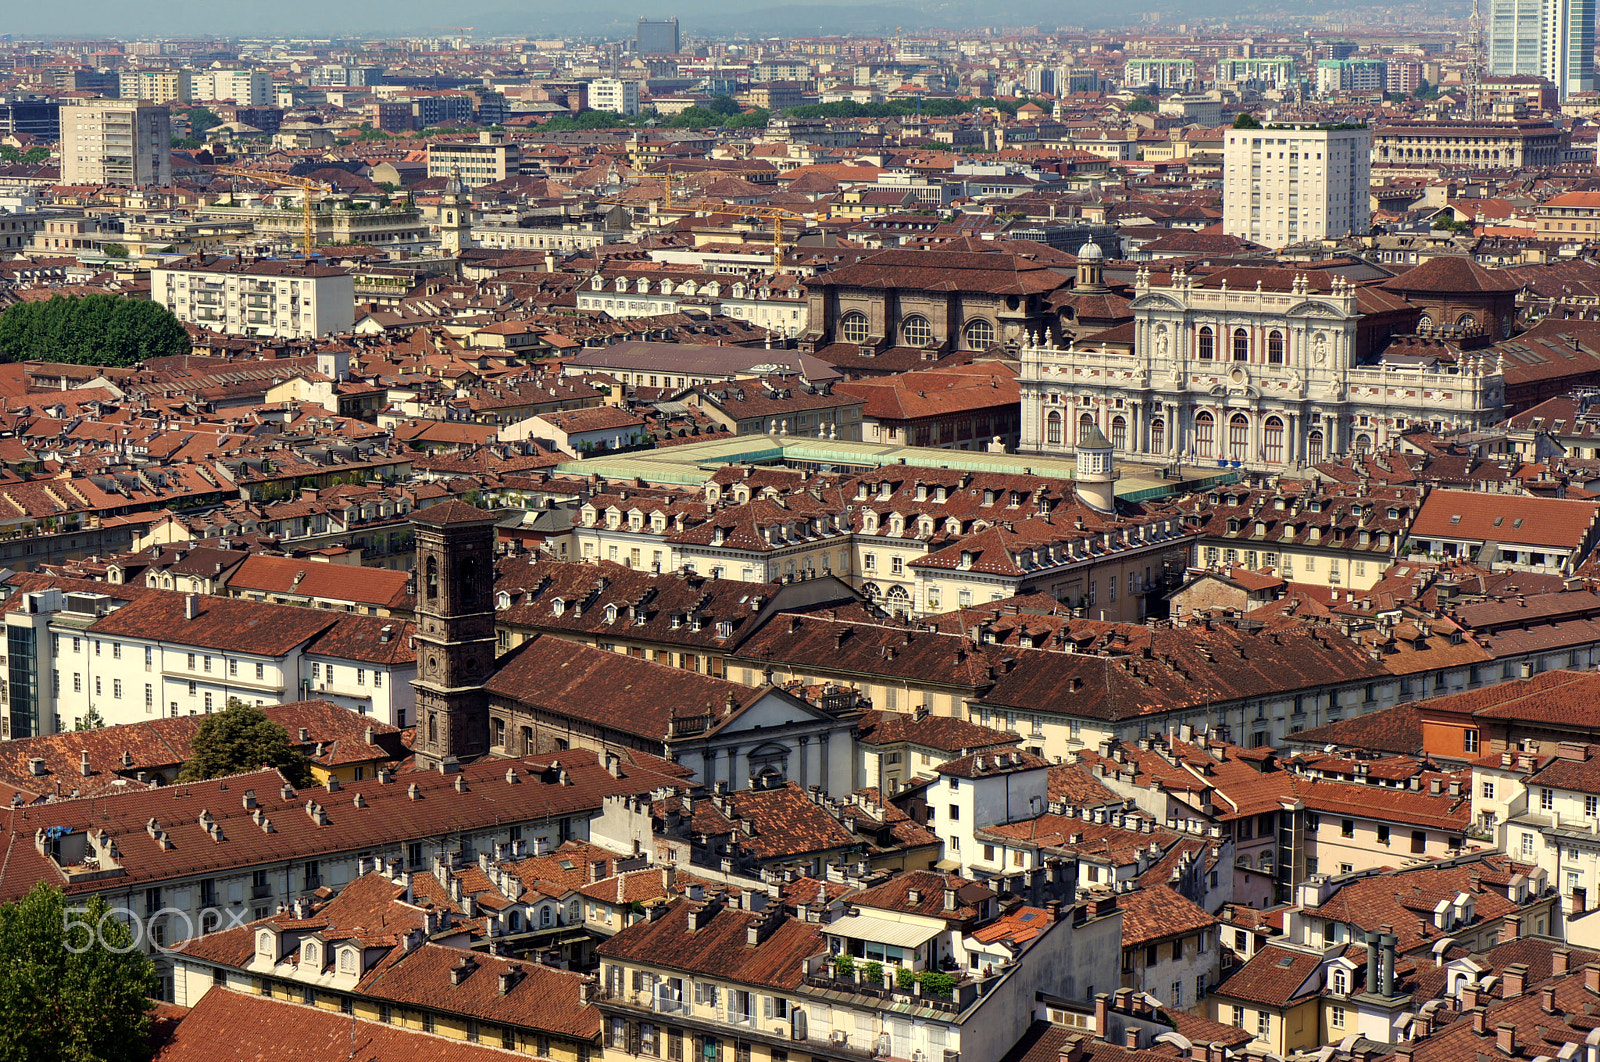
433, 578
1363, 443
1424, 323
1119, 433
853, 326
1158, 436
1467, 322
1052, 428
1241, 345
1205, 427
978, 333
1238, 437
1314, 448
1274, 347
1272, 441
433, 727
467, 574
1085, 422
915, 331
1208, 343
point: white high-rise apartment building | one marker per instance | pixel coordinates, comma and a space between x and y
1288, 184
123, 142
1552, 39
247, 88
256, 298
615, 95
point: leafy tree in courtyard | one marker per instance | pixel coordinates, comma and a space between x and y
1246, 120
1141, 105
242, 738
91, 330
65, 993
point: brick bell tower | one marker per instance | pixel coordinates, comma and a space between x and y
455, 631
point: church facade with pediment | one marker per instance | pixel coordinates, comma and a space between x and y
1264, 377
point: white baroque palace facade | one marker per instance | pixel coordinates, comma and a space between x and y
1259, 379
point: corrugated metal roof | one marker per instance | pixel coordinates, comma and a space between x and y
883, 931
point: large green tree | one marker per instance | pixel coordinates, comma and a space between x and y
90, 330
242, 738
65, 991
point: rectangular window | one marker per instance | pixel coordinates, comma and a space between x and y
233, 668
191, 661
261, 672
1469, 741
1547, 799
149, 697
116, 689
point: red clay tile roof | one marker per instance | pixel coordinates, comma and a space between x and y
1450, 274
1516, 519
1157, 913
1274, 976
720, 947
228, 1026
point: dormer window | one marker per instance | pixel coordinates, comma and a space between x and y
502, 600
313, 955
966, 560
558, 607
348, 962
611, 613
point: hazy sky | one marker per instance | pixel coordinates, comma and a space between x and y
280, 18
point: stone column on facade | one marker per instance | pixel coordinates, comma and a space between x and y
805, 747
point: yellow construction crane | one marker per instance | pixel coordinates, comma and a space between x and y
308, 188
776, 215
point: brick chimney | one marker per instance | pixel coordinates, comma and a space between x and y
1516, 980
1505, 1038
1511, 928
1591, 977
1560, 960
1130, 1038
1102, 1014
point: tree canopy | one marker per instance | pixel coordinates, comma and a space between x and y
65, 993
1246, 120
1142, 105
242, 738
90, 330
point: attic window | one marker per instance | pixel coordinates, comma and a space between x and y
1499, 520
557, 607
1517, 523
1286, 962
1456, 518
